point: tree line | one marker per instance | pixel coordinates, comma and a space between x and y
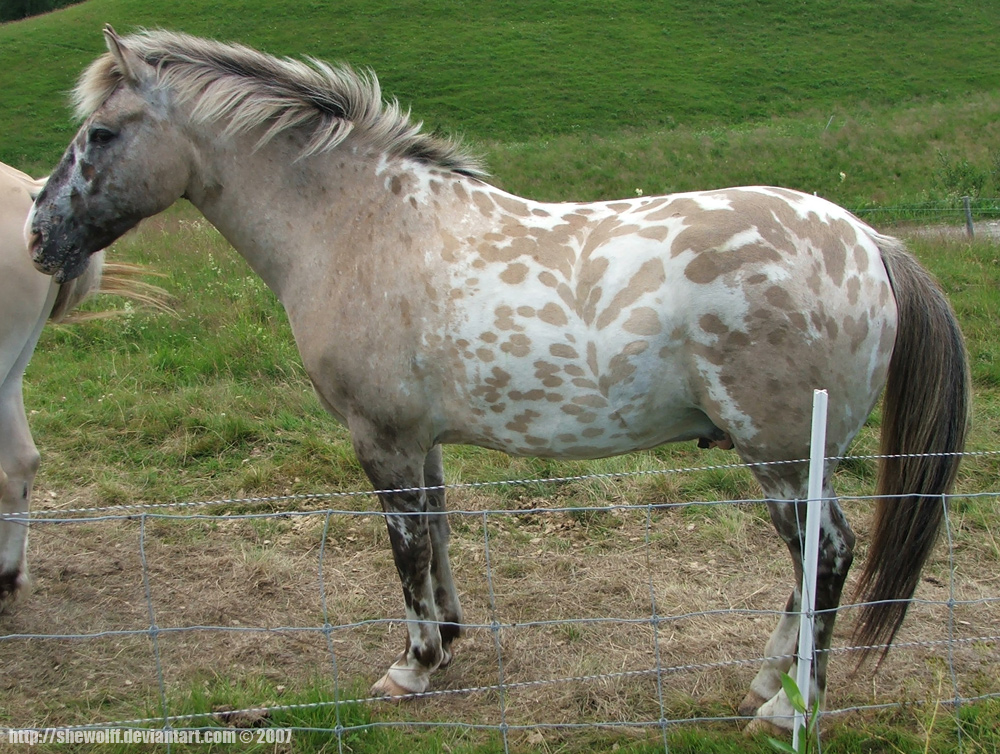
12, 10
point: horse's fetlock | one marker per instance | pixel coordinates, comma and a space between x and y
428, 656
450, 632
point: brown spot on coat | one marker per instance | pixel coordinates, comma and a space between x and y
563, 351
483, 202
521, 422
835, 259
643, 321
779, 298
514, 274
512, 205
711, 323
553, 314
548, 279
710, 264
656, 233
649, 278
517, 345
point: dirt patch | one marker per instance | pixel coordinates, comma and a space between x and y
981, 230
241, 600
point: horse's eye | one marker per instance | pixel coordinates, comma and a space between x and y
100, 136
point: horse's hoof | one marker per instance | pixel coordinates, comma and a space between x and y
761, 725
387, 688
750, 704
446, 658
11, 585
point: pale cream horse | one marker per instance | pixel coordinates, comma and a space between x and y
27, 300
430, 307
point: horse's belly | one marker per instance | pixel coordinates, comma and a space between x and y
578, 430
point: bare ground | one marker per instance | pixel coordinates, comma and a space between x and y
543, 569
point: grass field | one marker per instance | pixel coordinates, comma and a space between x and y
868, 105
590, 99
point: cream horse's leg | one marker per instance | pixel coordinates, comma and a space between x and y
23, 313
19, 462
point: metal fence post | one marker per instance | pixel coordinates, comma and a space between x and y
810, 557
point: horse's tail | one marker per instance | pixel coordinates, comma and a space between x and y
924, 421
114, 278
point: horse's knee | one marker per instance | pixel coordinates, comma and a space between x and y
21, 465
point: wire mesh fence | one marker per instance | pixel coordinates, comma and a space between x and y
629, 618
955, 210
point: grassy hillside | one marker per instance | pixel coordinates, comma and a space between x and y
519, 72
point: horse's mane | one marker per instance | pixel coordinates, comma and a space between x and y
255, 90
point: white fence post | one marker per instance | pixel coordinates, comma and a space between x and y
810, 555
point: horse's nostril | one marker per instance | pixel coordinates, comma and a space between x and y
34, 241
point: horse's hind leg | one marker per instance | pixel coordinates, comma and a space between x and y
445, 597
766, 698
19, 463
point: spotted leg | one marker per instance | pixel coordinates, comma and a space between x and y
445, 597
766, 698
392, 467
18, 465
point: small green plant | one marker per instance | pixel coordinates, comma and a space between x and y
959, 177
809, 732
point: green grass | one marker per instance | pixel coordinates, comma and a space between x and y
305, 715
590, 99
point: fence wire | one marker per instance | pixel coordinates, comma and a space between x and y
670, 675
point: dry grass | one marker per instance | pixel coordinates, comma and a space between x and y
555, 580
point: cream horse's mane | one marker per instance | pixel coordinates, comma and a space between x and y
254, 90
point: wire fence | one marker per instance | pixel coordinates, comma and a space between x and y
955, 210
576, 617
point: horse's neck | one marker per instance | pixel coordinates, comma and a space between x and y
292, 218
32, 185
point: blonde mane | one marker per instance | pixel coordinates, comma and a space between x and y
254, 90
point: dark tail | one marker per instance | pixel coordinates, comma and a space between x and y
925, 411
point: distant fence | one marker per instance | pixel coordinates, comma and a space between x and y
957, 210
965, 642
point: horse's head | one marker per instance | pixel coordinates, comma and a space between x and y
129, 160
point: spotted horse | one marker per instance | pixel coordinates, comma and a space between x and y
430, 307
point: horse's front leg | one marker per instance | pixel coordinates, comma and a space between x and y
392, 468
18, 465
445, 596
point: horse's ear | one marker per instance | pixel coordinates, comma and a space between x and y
128, 62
